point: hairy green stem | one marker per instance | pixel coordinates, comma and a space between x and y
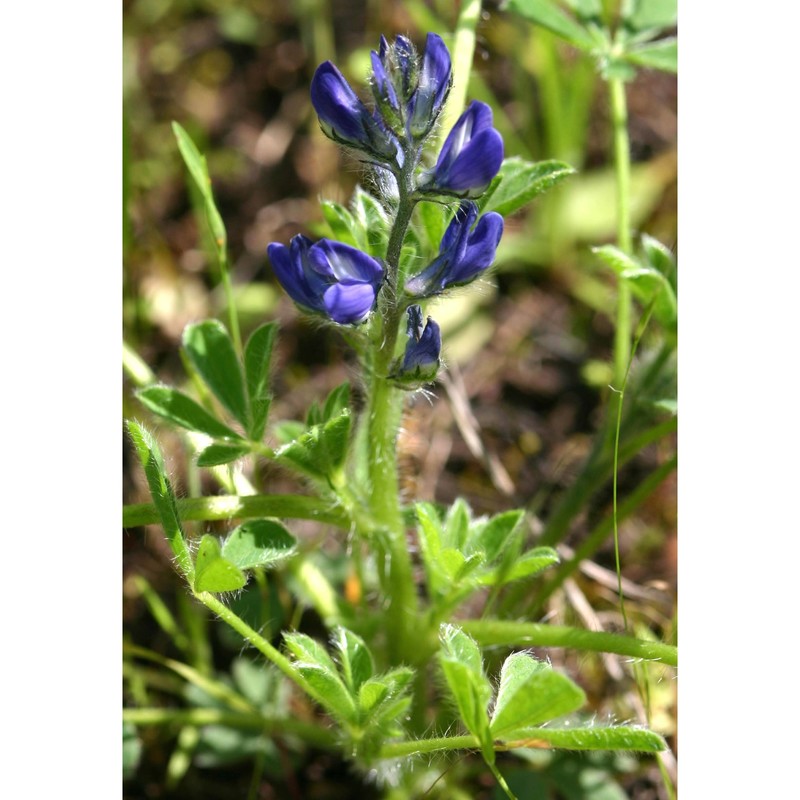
384, 411
260, 643
622, 168
489, 633
226, 507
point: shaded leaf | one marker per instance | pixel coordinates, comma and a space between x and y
216, 454
211, 350
182, 410
257, 361
259, 543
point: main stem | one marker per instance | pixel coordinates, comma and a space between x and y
622, 168
385, 405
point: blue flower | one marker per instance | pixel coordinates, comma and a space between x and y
463, 253
470, 157
328, 277
345, 119
421, 359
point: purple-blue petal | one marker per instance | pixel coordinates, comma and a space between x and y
336, 104
425, 352
349, 302
480, 250
348, 263
475, 165
434, 84
291, 275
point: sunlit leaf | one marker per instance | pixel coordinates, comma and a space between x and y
531, 692
213, 573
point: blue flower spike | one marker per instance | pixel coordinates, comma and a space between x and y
328, 277
345, 119
464, 253
420, 362
470, 157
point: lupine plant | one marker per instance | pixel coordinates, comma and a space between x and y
404, 667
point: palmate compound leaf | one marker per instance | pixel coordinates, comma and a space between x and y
662, 55
519, 181
531, 693
259, 543
211, 351
213, 572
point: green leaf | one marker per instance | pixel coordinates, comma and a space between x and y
662, 55
288, 430
492, 536
211, 350
659, 256
341, 222
456, 525
461, 663
257, 361
594, 738
221, 453
522, 567
316, 665
433, 220
355, 660
162, 494
372, 220
530, 693
321, 450
308, 650
337, 402
547, 14
519, 181
259, 543
213, 573
198, 169
182, 410
641, 15
131, 750
647, 283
